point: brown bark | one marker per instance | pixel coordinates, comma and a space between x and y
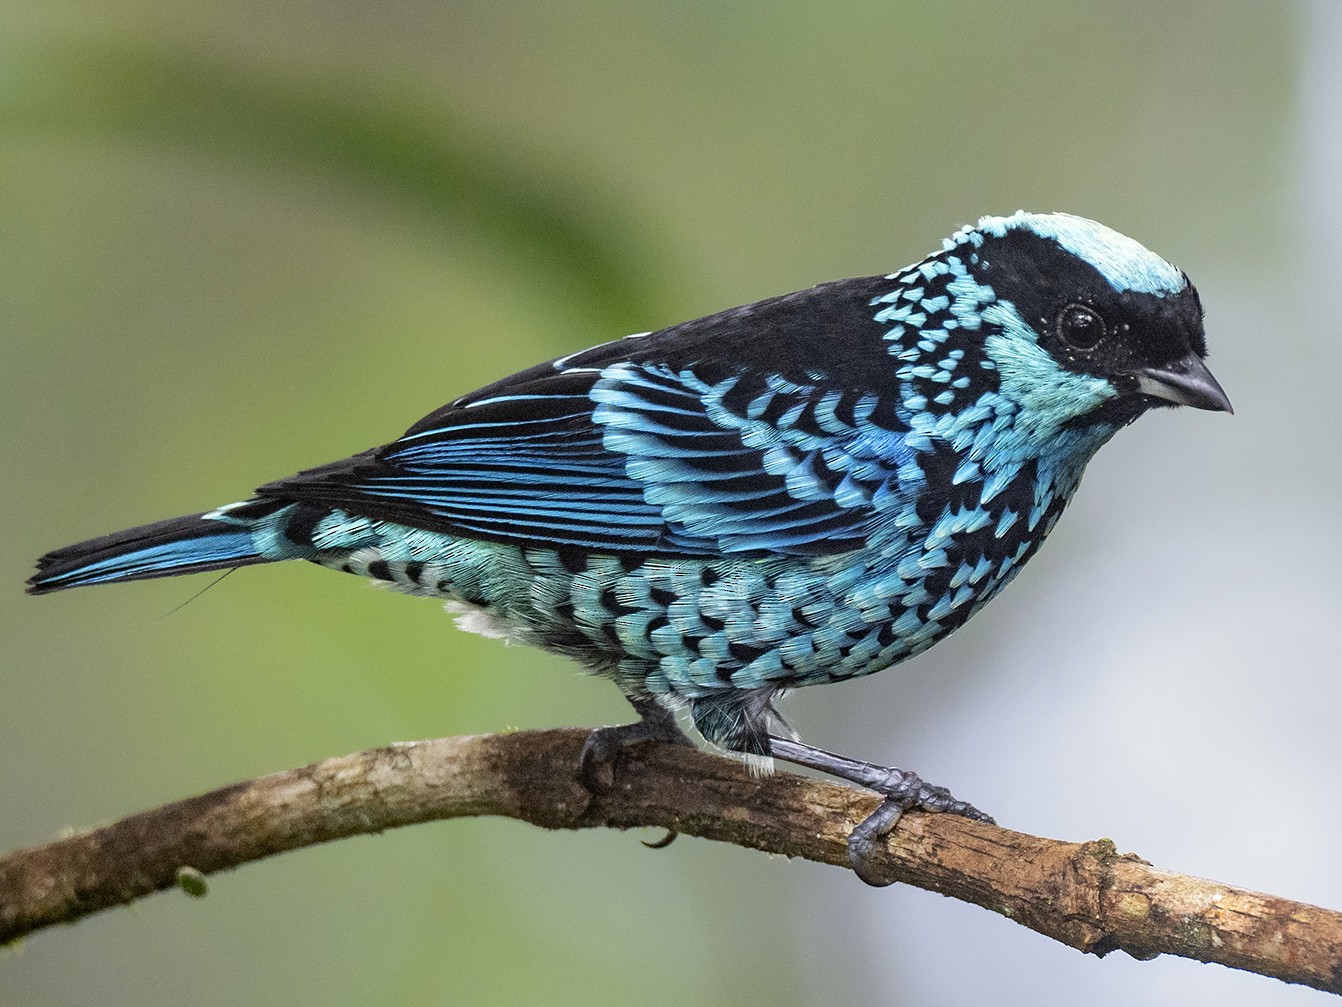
1085, 895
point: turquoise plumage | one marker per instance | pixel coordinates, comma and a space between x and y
798, 491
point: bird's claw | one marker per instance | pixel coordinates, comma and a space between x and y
598, 751
862, 840
903, 790
604, 744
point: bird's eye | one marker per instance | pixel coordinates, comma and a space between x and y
1080, 327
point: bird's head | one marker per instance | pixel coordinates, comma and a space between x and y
1083, 324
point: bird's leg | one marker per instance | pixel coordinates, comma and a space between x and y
902, 790
604, 744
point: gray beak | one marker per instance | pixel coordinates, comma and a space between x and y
1185, 382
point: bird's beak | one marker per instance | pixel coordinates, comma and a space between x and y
1185, 382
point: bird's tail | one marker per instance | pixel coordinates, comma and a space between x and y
217, 540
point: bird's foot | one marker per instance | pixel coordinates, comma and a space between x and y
902, 790
605, 744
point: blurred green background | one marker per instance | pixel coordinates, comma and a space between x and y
239, 240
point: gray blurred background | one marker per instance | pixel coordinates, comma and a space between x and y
240, 240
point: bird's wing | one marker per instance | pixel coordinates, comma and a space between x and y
682, 442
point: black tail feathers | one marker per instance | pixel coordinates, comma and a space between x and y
178, 545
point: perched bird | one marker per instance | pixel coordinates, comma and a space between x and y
798, 491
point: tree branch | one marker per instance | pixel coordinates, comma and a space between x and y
1085, 895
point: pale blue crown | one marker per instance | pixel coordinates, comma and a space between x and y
1126, 264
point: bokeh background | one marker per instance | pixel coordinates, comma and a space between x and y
241, 239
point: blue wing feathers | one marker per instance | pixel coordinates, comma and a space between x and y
633, 457
760, 429
754, 430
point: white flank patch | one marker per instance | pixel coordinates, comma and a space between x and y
473, 619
